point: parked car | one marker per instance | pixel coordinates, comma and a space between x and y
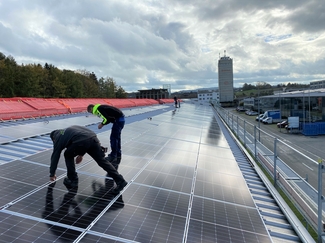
282, 124
251, 113
240, 108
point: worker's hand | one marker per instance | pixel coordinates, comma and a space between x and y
100, 125
53, 178
79, 159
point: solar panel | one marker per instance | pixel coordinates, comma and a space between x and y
184, 186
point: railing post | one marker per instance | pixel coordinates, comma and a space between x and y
274, 161
320, 228
232, 122
237, 127
245, 133
255, 142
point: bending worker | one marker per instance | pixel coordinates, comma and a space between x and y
79, 140
111, 114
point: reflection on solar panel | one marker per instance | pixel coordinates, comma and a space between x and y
184, 186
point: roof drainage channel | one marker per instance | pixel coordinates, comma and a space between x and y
23, 147
275, 221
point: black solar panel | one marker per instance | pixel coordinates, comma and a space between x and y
184, 186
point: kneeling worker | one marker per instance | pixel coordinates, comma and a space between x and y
79, 140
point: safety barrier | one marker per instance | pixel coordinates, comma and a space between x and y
78, 105
26, 107
46, 107
165, 101
145, 102
14, 108
121, 103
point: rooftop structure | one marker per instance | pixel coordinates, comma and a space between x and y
153, 94
188, 181
226, 80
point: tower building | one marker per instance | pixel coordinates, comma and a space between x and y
225, 79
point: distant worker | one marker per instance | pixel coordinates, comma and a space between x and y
79, 140
111, 114
176, 101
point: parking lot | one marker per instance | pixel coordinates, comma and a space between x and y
299, 152
312, 146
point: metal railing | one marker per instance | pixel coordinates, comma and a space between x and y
280, 159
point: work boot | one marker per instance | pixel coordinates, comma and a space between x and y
119, 187
70, 183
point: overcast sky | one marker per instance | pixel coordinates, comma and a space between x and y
145, 44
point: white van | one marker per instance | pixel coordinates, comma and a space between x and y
260, 117
267, 120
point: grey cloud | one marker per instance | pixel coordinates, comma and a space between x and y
310, 17
8, 40
146, 44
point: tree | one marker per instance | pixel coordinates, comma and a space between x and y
51, 82
91, 89
8, 76
109, 88
74, 86
2, 56
59, 88
26, 83
93, 77
33, 80
120, 93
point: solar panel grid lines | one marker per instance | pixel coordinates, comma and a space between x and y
188, 217
100, 214
94, 236
27, 228
183, 187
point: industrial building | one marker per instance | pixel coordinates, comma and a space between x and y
207, 95
153, 94
317, 84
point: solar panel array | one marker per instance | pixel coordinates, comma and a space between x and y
184, 185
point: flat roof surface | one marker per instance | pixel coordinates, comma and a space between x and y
299, 93
184, 184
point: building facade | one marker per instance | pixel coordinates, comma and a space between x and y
208, 95
226, 80
153, 94
308, 105
317, 84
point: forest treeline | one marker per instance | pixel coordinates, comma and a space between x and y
264, 86
35, 80
262, 89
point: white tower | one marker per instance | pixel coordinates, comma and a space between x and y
226, 79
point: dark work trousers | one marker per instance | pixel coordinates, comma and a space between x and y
115, 137
92, 147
